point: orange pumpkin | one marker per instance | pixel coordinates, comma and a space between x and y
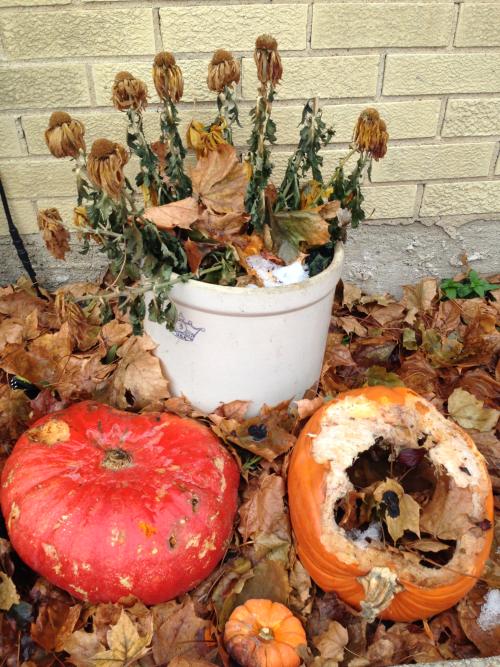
387, 582
262, 633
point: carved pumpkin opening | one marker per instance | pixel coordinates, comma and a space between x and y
366, 516
399, 460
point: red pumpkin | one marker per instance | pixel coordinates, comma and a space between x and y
371, 577
106, 504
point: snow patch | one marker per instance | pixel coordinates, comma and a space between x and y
274, 275
489, 617
363, 538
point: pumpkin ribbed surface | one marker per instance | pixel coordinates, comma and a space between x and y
106, 504
262, 633
321, 552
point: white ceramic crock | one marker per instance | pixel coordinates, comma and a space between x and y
264, 345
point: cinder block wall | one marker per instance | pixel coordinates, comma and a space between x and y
432, 68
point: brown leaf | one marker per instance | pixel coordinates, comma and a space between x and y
418, 374
233, 410
388, 315
43, 361
14, 413
220, 181
196, 252
224, 227
178, 632
267, 435
54, 624
263, 509
82, 648
420, 296
305, 407
115, 333
331, 643
368, 352
350, 324
269, 581
482, 385
470, 412
138, 380
183, 214
293, 228
447, 317
184, 662
351, 295
481, 625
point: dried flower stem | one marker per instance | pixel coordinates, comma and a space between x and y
228, 112
149, 178
259, 155
179, 184
314, 135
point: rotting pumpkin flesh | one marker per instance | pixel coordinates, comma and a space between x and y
382, 581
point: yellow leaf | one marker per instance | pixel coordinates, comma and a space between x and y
125, 643
8, 592
469, 411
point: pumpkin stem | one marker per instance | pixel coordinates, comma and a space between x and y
266, 633
380, 586
116, 459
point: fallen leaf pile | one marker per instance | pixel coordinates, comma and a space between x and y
447, 350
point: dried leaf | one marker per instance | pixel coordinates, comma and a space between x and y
418, 374
482, 385
138, 380
125, 643
378, 375
331, 643
470, 412
351, 295
54, 624
183, 214
350, 325
220, 181
480, 623
420, 296
82, 648
305, 407
402, 512
196, 252
178, 632
267, 435
292, 228
8, 592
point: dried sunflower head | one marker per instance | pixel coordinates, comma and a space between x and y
267, 59
167, 77
129, 92
64, 135
223, 70
105, 166
55, 235
370, 134
203, 140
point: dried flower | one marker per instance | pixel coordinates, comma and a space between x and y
105, 166
129, 92
64, 135
203, 140
55, 235
223, 71
370, 134
267, 59
167, 77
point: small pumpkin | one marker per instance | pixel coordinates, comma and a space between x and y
262, 633
106, 504
384, 582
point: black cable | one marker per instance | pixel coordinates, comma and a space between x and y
18, 241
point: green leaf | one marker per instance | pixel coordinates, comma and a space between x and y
296, 227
